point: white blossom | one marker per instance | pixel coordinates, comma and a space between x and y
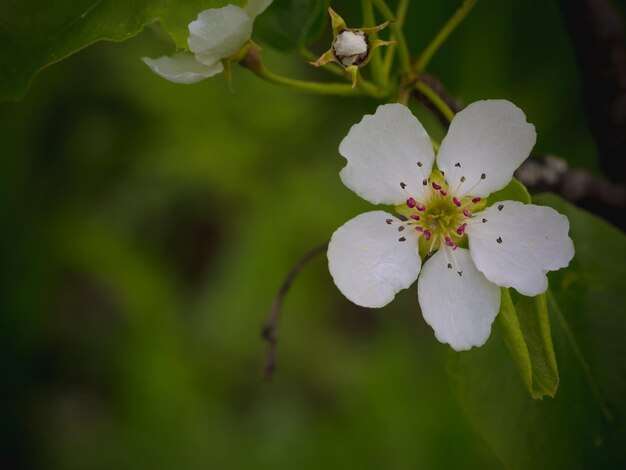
443, 211
217, 34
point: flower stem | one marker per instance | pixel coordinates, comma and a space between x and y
376, 63
403, 50
435, 99
403, 6
579, 356
454, 21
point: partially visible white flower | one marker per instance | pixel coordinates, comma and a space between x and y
217, 34
375, 255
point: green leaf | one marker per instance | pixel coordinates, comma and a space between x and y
580, 427
288, 25
37, 33
514, 191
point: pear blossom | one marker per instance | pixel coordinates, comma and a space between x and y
216, 35
471, 246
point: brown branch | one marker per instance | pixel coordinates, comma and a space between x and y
435, 84
269, 332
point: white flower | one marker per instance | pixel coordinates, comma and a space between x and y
217, 34
375, 255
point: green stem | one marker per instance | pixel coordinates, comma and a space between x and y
435, 99
454, 21
331, 67
579, 356
403, 6
403, 50
376, 63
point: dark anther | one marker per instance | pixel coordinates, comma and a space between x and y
400, 228
484, 220
460, 273
499, 239
483, 176
500, 207
449, 266
457, 164
402, 185
462, 179
419, 164
401, 239
402, 217
389, 221
425, 182
443, 173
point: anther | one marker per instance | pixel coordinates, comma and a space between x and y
475, 200
420, 207
443, 193
400, 228
389, 221
425, 182
500, 207
435, 186
402, 185
457, 164
443, 173
449, 266
467, 213
419, 164
401, 239
415, 217
462, 179
499, 239
449, 242
484, 221
456, 202
461, 229
427, 235
483, 176
410, 202
418, 228
402, 217
460, 273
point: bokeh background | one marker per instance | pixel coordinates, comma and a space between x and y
146, 227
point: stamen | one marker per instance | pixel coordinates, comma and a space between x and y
389, 221
402, 185
467, 213
415, 217
460, 273
500, 207
419, 164
436, 186
456, 202
461, 230
402, 239
410, 202
449, 266
400, 228
462, 179
457, 164
443, 193
483, 176
475, 200
418, 228
420, 207
450, 243
484, 221
499, 239
427, 235
425, 182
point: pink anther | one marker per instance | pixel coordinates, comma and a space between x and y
411, 202
436, 186
467, 213
456, 202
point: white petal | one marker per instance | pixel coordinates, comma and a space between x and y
488, 137
367, 261
383, 150
219, 33
256, 7
462, 308
182, 68
533, 240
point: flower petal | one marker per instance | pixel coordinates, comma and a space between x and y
182, 68
460, 308
383, 150
519, 243
368, 262
490, 138
219, 33
256, 7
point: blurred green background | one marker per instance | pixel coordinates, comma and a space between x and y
146, 227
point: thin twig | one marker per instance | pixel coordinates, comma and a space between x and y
269, 331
